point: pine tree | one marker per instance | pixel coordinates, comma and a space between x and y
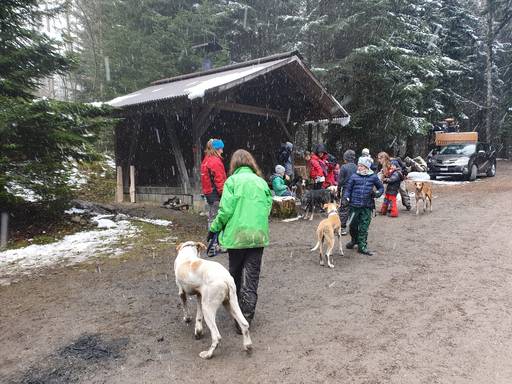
39, 138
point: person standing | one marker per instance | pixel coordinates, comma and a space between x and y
317, 168
286, 160
346, 171
359, 195
393, 180
213, 177
366, 153
242, 224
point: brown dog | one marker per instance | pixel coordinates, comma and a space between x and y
326, 230
422, 192
213, 285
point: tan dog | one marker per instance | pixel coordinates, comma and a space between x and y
422, 192
326, 230
213, 285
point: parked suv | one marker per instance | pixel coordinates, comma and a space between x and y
465, 160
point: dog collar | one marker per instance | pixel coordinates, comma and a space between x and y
332, 212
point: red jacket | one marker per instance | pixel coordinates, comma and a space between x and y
315, 167
213, 175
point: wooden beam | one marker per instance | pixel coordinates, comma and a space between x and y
176, 149
135, 139
250, 109
199, 126
285, 129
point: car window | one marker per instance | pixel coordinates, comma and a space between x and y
458, 149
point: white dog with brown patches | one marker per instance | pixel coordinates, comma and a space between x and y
326, 230
213, 285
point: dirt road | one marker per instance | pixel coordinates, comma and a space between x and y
431, 306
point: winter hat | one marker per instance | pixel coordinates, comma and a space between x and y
320, 148
349, 156
288, 145
365, 161
217, 144
365, 151
395, 163
280, 168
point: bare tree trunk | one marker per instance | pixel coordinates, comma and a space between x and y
490, 40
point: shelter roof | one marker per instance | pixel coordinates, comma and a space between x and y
217, 80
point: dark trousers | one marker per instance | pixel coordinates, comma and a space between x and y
343, 213
360, 218
244, 266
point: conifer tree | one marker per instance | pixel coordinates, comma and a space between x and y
39, 138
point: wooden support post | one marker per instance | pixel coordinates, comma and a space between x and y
132, 183
119, 185
176, 149
201, 123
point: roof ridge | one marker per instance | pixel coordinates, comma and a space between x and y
228, 67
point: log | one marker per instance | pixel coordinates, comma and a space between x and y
283, 208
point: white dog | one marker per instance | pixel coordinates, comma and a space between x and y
213, 285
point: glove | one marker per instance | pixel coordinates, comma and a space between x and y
319, 179
374, 194
210, 236
345, 202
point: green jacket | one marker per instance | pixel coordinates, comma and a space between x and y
242, 219
279, 186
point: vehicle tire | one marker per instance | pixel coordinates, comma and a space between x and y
433, 177
492, 170
472, 175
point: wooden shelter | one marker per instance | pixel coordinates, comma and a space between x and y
255, 105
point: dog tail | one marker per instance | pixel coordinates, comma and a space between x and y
316, 247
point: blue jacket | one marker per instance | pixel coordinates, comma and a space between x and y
359, 187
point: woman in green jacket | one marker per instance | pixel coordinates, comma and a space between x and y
242, 223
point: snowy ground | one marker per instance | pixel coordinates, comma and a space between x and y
75, 248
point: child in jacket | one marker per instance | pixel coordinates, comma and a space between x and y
393, 181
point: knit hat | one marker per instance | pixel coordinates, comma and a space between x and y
365, 161
349, 156
365, 151
395, 163
217, 144
280, 168
288, 145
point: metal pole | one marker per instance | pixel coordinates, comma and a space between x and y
3, 231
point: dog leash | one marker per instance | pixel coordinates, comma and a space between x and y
212, 242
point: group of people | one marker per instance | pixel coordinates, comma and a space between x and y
239, 205
358, 184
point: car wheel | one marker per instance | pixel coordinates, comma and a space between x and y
472, 175
433, 177
492, 170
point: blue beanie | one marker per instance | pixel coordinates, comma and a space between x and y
217, 144
395, 163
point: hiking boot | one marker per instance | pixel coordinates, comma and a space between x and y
350, 245
390, 215
365, 252
408, 207
343, 231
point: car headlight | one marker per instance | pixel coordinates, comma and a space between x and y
461, 161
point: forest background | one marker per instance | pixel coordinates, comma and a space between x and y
396, 66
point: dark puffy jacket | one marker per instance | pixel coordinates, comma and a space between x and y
359, 187
346, 171
393, 182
